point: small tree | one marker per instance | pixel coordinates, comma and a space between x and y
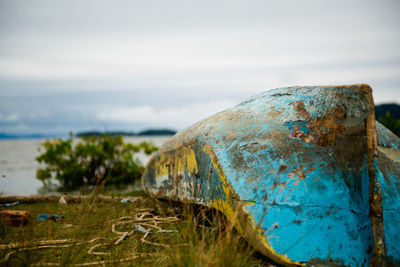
390, 122
90, 161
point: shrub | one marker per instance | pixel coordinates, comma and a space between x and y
390, 122
90, 161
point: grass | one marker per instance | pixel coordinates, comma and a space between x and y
200, 237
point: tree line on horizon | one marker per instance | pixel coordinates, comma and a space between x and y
389, 116
150, 132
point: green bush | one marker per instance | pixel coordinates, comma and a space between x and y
90, 161
390, 122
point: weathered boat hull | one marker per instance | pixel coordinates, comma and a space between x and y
388, 171
298, 171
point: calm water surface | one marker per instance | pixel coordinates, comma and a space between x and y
18, 165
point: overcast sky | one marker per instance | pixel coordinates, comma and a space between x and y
130, 65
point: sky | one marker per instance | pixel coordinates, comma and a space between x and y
131, 65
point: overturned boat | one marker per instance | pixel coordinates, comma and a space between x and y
306, 174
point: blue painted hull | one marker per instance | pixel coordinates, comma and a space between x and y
303, 173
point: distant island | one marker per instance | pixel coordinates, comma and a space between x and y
150, 132
27, 136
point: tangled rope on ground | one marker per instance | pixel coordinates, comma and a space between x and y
144, 218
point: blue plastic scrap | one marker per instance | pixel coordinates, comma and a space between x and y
140, 229
10, 204
126, 200
52, 217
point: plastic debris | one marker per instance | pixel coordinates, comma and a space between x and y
126, 200
166, 231
62, 201
140, 229
52, 217
10, 204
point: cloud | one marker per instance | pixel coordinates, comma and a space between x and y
12, 117
138, 44
65, 65
181, 116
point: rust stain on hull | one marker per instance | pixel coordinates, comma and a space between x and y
301, 169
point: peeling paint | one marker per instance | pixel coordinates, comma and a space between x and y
292, 167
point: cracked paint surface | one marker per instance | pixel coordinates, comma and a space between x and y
290, 168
